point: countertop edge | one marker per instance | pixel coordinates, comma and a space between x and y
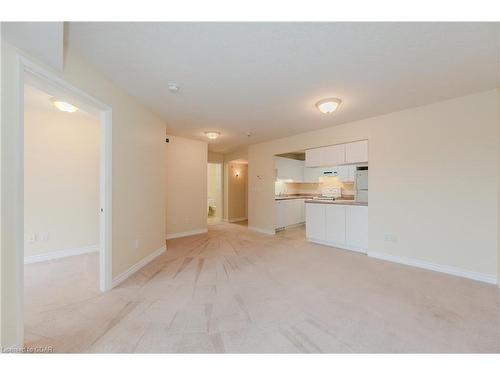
319, 201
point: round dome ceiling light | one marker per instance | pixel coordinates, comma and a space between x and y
63, 106
329, 105
212, 134
173, 87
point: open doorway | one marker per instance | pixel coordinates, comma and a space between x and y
66, 215
236, 191
214, 193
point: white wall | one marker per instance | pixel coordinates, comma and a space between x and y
186, 186
433, 180
138, 172
61, 177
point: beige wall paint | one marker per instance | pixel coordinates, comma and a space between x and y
433, 180
239, 154
498, 180
237, 191
215, 157
61, 180
186, 187
138, 172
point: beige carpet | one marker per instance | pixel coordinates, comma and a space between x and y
233, 290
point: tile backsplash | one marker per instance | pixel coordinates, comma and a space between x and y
282, 187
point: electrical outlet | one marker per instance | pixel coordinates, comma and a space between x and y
388, 237
32, 237
44, 236
136, 244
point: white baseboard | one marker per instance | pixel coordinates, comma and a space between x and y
486, 278
263, 231
238, 219
338, 246
136, 267
60, 254
186, 234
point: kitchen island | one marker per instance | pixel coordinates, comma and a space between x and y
339, 223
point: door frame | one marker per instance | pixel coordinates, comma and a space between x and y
26, 65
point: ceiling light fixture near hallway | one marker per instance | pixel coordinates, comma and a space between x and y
328, 105
63, 106
173, 87
212, 134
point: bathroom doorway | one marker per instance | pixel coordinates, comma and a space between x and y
214, 193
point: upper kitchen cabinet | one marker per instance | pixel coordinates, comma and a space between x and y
348, 153
356, 152
289, 169
334, 155
314, 157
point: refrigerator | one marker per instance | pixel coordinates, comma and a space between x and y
362, 185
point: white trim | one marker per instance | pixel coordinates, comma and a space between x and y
105, 190
238, 219
186, 233
478, 276
338, 246
136, 267
60, 254
263, 231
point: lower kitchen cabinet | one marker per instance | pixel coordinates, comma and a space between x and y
343, 226
315, 221
289, 212
335, 219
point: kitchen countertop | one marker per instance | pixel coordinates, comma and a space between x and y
338, 201
298, 196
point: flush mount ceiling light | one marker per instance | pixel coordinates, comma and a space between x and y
212, 134
173, 87
328, 105
63, 106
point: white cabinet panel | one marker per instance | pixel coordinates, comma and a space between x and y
335, 223
346, 173
280, 214
289, 169
357, 226
312, 174
289, 212
333, 155
356, 152
314, 157
315, 221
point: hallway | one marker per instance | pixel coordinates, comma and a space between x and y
233, 290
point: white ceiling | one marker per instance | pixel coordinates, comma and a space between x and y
41, 39
264, 78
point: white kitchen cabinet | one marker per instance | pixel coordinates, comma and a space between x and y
343, 226
347, 153
314, 157
333, 155
315, 221
335, 221
312, 174
293, 212
289, 169
346, 173
356, 152
280, 214
289, 212
357, 227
